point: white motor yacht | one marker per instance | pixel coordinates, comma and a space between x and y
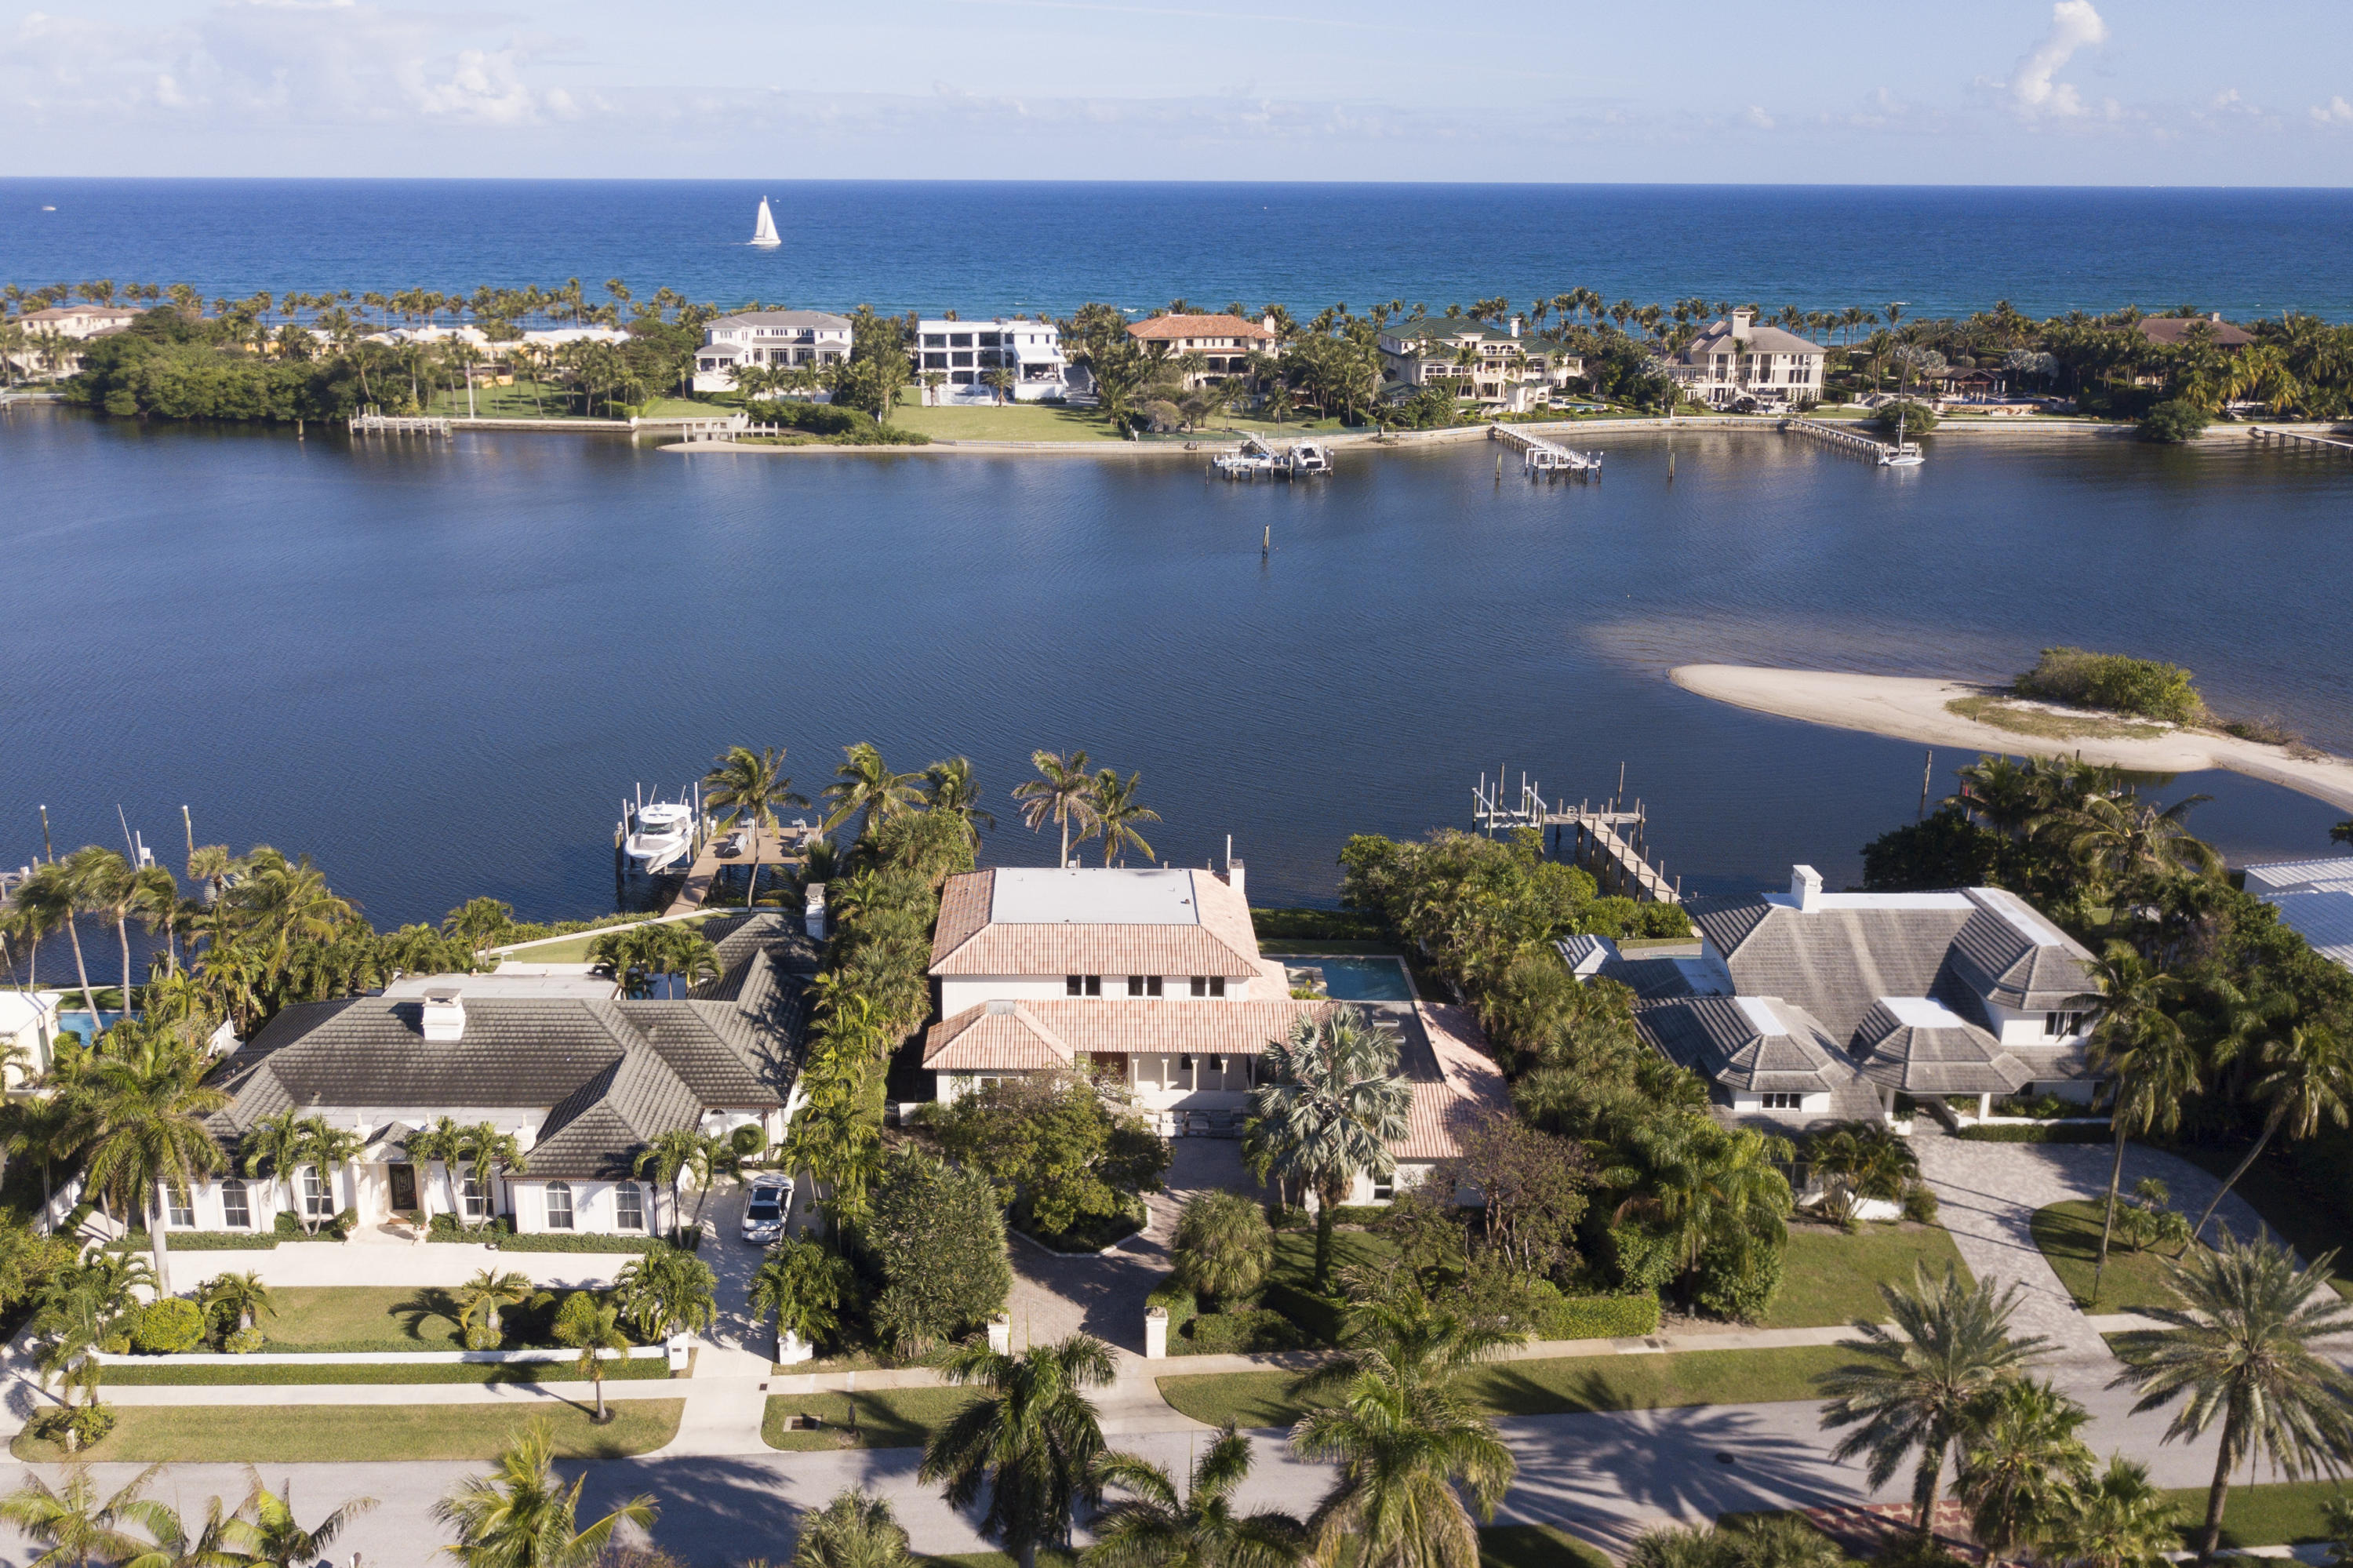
660, 838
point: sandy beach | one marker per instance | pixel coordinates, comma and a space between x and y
1911, 708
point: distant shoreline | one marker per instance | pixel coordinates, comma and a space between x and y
1912, 708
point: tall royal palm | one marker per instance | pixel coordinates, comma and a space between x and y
48, 895
864, 783
2304, 1077
1063, 793
1915, 1387
1117, 811
1032, 1441
1155, 1526
106, 885
2129, 842
2239, 1347
522, 1515
2148, 1062
1333, 1103
2020, 1464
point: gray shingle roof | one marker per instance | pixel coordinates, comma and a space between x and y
1722, 1038
1834, 962
2008, 954
598, 1129
1923, 1057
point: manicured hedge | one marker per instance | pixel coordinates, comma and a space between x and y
1320, 1318
1181, 1305
196, 1241
2033, 1134
498, 1234
1317, 924
1600, 1317
1252, 1331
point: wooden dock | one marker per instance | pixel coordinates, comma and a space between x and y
1852, 441
1612, 841
781, 846
369, 422
2297, 438
1541, 459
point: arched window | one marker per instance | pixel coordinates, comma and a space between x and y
629, 1207
559, 1206
235, 1213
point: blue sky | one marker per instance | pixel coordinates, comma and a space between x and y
1984, 92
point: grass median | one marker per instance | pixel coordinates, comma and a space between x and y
291, 1433
891, 1418
1565, 1385
276, 1374
2280, 1513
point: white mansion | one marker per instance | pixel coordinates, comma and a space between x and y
1738, 363
773, 339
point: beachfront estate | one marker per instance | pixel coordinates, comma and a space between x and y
1496, 367
1736, 363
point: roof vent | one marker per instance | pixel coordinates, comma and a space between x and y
444, 1016
1805, 888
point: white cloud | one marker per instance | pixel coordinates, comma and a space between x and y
2336, 111
1757, 118
2033, 91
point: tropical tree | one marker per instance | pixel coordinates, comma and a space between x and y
491, 1154
2021, 1462
801, 1285
50, 896
274, 1535
243, 1298
948, 788
670, 1155
107, 885
2148, 1062
1117, 812
445, 1143
592, 1327
749, 786
666, 1292
2118, 1521
1334, 1104
2303, 1077
1155, 1526
478, 923
1063, 793
75, 1526
2240, 1348
481, 1301
2129, 842
856, 1530
1223, 1245
1706, 1186
1917, 1387
146, 1110
1032, 1441
865, 784
522, 1515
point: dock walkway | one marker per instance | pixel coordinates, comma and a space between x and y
369, 422
2297, 438
1852, 441
1542, 459
769, 846
1610, 841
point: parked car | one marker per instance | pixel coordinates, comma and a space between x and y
765, 1208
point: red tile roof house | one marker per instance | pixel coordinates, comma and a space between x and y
1151, 978
1225, 342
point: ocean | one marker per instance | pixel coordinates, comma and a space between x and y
985, 248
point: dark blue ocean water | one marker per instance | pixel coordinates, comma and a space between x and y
990, 248
439, 666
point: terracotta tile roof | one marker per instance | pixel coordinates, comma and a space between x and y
1157, 328
2173, 331
1022, 1036
1468, 1084
968, 942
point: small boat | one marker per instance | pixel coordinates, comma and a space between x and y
764, 233
48, 210
1308, 458
1904, 454
660, 837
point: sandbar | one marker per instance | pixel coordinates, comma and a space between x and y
1913, 708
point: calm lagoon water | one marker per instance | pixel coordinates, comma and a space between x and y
439, 667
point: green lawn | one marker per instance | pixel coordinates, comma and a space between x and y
1565, 1385
2310, 1226
379, 1317
514, 402
2279, 1514
891, 1418
573, 949
275, 1435
2069, 1235
217, 1375
1832, 1277
1013, 422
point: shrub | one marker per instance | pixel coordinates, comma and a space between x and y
2170, 423
1920, 1203
289, 1229
1049, 1141
76, 1428
242, 1342
1917, 418
196, 1241
1181, 1306
2082, 1133
2146, 688
168, 1327
1598, 1318
1318, 926
936, 1238
1319, 1318
1254, 1330
1223, 1245
1736, 1281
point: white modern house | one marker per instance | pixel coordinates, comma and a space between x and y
964, 353
1738, 363
775, 339
1494, 365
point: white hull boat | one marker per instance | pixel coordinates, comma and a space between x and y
764, 232
661, 836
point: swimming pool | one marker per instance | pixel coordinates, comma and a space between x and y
1362, 979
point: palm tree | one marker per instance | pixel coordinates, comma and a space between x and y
948, 787
2148, 1062
148, 1132
522, 1515
76, 1527
49, 895
666, 1292
2241, 1346
106, 885
1408, 1452
276, 1537
1917, 1385
2118, 1521
2126, 841
480, 1300
1063, 793
593, 1327
2303, 1077
2021, 1464
1223, 1245
1117, 812
1033, 1441
445, 1143
1334, 1104
243, 1297
749, 786
326, 1149
801, 1285
864, 783
668, 1155
1707, 1184
1154, 1527
1405, 1338
856, 1530
491, 1154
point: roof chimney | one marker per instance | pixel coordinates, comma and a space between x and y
1805, 888
2216, 318
444, 1016
813, 898
1267, 321
1233, 868
1740, 320
1515, 326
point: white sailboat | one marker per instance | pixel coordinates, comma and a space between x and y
764, 233
1904, 454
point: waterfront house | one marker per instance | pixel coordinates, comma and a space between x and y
1151, 981
2315, 899
1810, 1004
46, 332
28, 1034
1225, 342
584, 1081
776, 339
1738, 364
2173, 332
965, 352
1494, 366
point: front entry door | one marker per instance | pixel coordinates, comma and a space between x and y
403, 1186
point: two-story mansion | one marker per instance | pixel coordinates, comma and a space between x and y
962, 353
1225, 342
1811, 1004
583, 1080
773, 339
1490, 365
1738, 362
1152, 979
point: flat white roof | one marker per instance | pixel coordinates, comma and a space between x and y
1923, 1013
540, 988
2025, 920
1045, 896
2323, 919
1878, 901
1760, 1013
2285, 876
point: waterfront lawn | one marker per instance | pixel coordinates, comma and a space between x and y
291, 1433
1557, 1386
1013, 422
2069, 1235
573, 949
514, 402
1830, 1277
891, 1418
220, 1374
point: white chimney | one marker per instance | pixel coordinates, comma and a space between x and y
815, 917
1515, 326
1233, 868
1805, 888
2216, 318
1267, 321
444, 1016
